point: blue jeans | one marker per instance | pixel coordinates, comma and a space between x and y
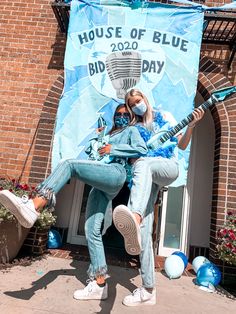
149, 175
106, 180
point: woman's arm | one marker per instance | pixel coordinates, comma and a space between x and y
183, 140
134, 146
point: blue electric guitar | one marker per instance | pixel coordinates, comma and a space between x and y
96, 143
160, 139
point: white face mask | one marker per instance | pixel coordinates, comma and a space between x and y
140, 108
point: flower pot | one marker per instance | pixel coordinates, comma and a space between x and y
36, 241
12, 236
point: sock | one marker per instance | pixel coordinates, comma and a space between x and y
149, 290
101, 285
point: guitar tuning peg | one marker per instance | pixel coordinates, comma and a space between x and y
101, 121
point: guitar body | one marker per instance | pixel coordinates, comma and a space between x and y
155, 141
94, 145
98, 142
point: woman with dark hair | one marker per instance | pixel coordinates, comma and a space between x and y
106, 180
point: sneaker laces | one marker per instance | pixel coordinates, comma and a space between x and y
25, 198
140, 292
90, 284
137, 291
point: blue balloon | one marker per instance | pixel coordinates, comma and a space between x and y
198, 262
54, 239
174, 266
208, 274
183, 256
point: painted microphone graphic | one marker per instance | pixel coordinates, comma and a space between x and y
124, 69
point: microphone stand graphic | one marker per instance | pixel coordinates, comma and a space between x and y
124, 69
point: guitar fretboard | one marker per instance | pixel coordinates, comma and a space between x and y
185, 121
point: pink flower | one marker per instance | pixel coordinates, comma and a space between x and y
25, 187
229, 245
224, 232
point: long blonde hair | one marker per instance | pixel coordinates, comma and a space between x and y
147, 118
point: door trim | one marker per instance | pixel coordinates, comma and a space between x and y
73, 237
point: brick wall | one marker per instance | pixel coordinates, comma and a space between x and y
224, 178
220, 55
31, 58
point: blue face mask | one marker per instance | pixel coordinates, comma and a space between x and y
140, 108
121, 121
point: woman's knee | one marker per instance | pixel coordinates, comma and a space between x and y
141, 163
116, 182
67, 163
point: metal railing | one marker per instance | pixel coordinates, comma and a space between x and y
62, 14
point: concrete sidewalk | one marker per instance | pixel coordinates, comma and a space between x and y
47, 286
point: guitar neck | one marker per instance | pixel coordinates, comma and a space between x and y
185, 121
101, 124
101, 136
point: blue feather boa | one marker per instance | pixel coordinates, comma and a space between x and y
158, 119
165, 152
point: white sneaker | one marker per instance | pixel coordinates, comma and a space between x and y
92, 292
21, 207
140, 296
127, 225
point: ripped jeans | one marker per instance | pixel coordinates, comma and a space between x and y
106, 180
150, 174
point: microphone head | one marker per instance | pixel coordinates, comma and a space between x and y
124, 69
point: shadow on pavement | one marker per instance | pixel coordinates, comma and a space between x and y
115, 278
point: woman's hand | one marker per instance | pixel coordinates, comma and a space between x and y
183, 140
198, 114
105, 150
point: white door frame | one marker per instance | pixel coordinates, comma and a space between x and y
73, 236
166, 251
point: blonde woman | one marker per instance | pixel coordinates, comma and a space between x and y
150, 173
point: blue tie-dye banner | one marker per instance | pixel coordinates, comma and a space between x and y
113, 47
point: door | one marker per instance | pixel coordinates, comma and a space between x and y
76, 234
174, 221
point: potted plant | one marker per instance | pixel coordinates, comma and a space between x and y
226, 236
12, 234
36, 240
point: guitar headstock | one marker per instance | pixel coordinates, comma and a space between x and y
101, 122
222, 94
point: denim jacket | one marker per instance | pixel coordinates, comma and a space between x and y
127, 143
